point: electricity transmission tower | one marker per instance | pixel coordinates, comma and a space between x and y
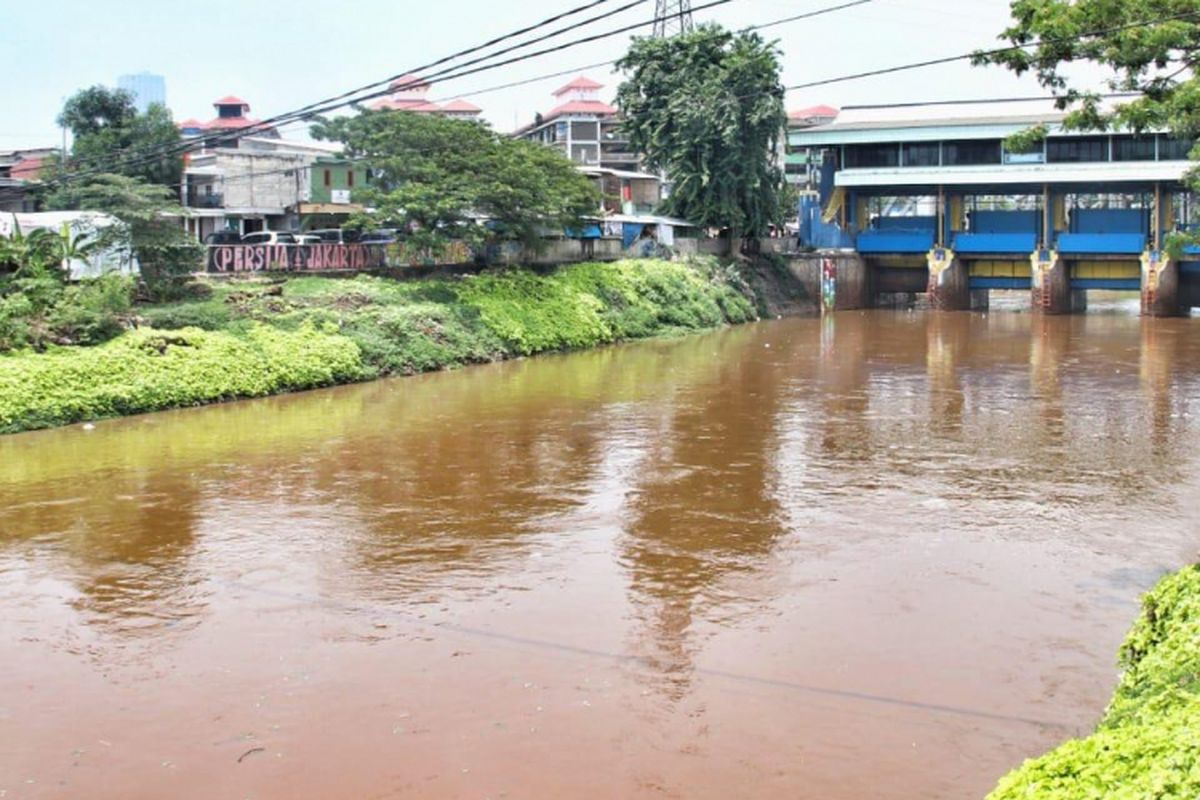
672, 17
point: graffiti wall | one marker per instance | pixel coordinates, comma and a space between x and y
295, 257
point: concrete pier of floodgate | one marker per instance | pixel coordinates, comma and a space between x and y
928, 199
845, 280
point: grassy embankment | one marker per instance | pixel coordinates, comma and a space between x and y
255, 338
1148, 744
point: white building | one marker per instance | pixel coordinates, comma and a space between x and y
258, 185
584, 128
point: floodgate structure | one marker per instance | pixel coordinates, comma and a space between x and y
928, 198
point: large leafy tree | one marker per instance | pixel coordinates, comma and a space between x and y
1149, 48
109, 134
437, 178
166, 253
707, 108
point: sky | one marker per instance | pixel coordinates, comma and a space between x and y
279, 56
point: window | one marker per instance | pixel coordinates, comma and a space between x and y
328, 177
967, 153
1174, 149
585, 131
350, 178
865, 156
1035, 156
1133, 148
923, 154
1077, 149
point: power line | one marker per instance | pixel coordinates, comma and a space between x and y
988, 53
763, 26
794, 18
312, 109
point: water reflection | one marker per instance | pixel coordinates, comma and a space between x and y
124, 543
703, 508
797, 503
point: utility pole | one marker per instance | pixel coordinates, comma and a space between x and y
672, 17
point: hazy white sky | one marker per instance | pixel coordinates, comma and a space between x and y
281, 55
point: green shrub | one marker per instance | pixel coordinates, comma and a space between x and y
149, 370
209, 316
92, 311
15, 313
250, 339
422, 337
1148, 744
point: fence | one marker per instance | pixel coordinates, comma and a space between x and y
238, 258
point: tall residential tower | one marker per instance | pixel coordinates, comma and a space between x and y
146, 88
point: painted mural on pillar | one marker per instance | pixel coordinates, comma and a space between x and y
1154, 264
829, 272
939, 259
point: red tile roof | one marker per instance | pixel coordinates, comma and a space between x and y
814, 111
462, 106
190, 123
229, 122
230, 100
417, 106
580, 107
579, 83
27, 169
408, 83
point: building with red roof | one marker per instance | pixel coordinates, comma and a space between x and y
231, 116
812, 116
585, 128
18, 170
411, 93
801, 166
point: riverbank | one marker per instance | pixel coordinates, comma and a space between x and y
269, 335
1148, 744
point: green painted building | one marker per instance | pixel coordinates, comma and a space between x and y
334, 186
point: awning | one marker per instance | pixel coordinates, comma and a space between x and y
329, 208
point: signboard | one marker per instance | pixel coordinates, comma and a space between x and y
339, 196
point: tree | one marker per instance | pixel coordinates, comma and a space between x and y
707, 108
109, 134
167, 255
1150, 48
436, 177
97, 109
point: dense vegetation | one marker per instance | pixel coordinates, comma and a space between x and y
1148, 744
707, 108
436, 177
1145, 48
262, 336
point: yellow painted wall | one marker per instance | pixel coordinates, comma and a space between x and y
1106, 269
1000, 269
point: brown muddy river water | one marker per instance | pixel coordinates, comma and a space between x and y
887, 555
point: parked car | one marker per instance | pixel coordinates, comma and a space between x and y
223, 237
337, 235
269, 237
381, 236
307, 238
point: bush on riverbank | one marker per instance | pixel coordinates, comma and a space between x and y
262, 336
1148, 744
148, 370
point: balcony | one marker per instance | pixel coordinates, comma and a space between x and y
199, 200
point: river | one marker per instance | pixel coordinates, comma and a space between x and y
887, 554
